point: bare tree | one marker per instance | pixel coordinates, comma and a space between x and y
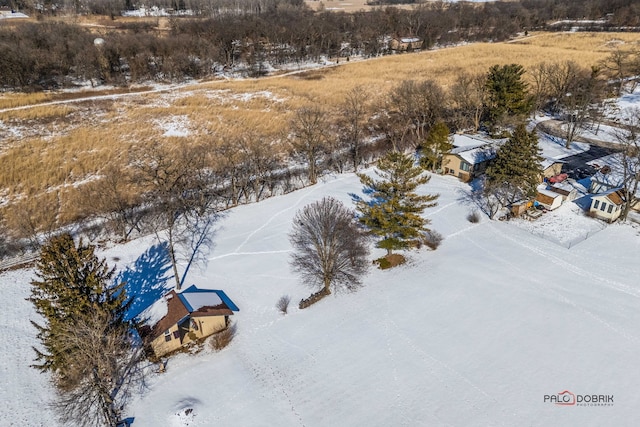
629, 169
330, 249
35, 222
417, 105
541, 87
617, 66
309, 130
355, 111
116, 199
102, 368
178, 188
469, 94
248, 163
574, 90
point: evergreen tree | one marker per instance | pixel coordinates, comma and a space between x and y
393, 212
515, 172
508, 93
436, 144
71, 282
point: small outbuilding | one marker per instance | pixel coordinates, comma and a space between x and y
549, 199
180, 318
550, 167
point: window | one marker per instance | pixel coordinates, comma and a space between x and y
603, 206
167, 335
465, 166
595, 204
610, 208
194, 325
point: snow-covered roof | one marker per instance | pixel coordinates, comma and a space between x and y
548, 161
11, 14
194, 299
611, 170
409, 39
174, 307
548, 193
156, 311
474, 149
476, 154
462, 140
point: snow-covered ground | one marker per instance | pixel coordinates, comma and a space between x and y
473, 334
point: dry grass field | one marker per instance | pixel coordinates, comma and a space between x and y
350, 6
48, 151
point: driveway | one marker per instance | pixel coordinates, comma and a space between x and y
576, 166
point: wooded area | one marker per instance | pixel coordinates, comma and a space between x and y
257, 34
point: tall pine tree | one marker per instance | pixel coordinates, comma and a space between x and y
436, 144
515, 172
508, 94
394, 210
71, 282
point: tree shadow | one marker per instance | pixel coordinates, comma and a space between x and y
146, 279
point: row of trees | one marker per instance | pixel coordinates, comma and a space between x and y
53, 54
413, 116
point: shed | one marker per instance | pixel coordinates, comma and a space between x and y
568, 193
549, 199
520, 207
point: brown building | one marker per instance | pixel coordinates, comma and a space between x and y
178, 319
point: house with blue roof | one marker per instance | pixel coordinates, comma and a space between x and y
179, 319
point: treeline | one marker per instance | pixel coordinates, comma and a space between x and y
237, 168
49, 55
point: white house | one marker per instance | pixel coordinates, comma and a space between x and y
607, 206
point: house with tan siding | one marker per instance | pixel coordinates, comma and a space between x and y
179, 319
467, 162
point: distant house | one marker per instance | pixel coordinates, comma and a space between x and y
607, 206
469, 157
178, 319
403, 44
549, 199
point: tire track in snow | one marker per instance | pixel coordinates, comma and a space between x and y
550, 290
249, 253
450, 378
312, 190
599, 280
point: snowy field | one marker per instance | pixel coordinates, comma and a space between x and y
473, 334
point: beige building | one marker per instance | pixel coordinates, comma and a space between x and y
550, 168
402, 44
179, 319
607, 206
549, 199
468, 162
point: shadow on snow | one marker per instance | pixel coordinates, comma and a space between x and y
146, 279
